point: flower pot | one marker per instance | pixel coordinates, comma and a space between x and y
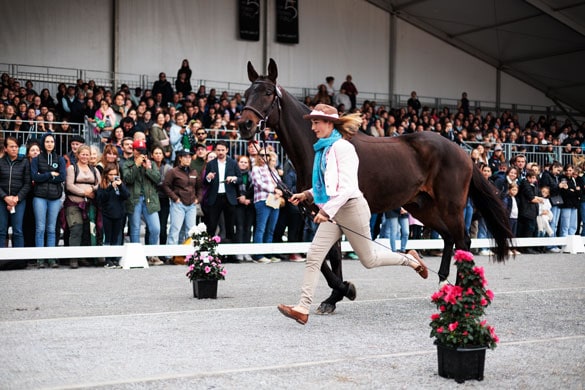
203, 288
461, 364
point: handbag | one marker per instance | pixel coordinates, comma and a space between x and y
273, 201
556, 200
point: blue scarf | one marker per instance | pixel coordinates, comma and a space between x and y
320, 164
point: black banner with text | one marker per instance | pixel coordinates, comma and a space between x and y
287, 21
249, 15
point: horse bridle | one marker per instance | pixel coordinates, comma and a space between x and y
275, 103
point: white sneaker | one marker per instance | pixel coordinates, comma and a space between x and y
248, 258
239, 258
275, 259
263, 260
485, 252
554, 250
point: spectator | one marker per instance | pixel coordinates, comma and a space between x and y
351, 91
185, 70
179, 135
183, 187
163, 87
341, 98
397, 219
321, 96
198, 163
33, 149
463, 104
570, 193
245, 213
142, 176
111, 196
544, 215
81, 185
163, 215
413, 102
329, 80
48, 173
15, 184
511, 202
159, 136
263, 179
528, 208
222, 178
109, 156
496, 158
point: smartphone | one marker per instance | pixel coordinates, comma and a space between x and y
116, 178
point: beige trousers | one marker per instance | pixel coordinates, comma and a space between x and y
354, 215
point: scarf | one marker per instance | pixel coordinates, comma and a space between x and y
321, 148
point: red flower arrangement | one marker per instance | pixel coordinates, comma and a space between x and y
458, 322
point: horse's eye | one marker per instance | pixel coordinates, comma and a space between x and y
268, 92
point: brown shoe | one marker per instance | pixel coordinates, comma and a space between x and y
289, 312
422, 269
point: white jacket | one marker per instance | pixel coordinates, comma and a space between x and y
341, 176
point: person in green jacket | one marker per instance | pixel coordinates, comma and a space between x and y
141, 177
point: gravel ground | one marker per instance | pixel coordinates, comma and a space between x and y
141, 329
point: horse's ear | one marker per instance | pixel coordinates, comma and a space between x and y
252, 74
272, 71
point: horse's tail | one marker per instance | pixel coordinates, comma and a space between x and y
486, 200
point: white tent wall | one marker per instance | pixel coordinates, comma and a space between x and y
434, 68
60, 33
337, 37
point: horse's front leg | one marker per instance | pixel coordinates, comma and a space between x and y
334, 277
445, 260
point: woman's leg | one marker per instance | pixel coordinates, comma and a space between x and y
271, 224
40, 210
404, 233
75, 223
327, 234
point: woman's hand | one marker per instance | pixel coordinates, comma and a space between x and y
295, 199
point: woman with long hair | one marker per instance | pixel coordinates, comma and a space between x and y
81, 184
158, 158
28, 224
109, 156
342, 206
111, 196
48, 173
245, 212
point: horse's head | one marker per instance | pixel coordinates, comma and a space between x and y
262, 102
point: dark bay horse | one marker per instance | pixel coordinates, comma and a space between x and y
427, 174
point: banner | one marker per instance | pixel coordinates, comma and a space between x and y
287, 21
249, 16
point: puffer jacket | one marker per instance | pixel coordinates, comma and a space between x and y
14, 177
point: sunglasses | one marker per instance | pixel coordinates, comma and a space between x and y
201, 133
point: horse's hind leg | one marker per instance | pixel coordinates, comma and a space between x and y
334, 277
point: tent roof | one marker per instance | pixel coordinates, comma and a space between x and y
541, 42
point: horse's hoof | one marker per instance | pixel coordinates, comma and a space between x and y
443, 283
325, 308
351, 292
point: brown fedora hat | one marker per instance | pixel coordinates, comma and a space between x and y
324, 112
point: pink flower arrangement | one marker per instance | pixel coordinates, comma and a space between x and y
205, 263
458, 323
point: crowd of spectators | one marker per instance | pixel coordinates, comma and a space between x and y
151, 163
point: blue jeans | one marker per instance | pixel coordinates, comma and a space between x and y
151, 221
266, 218
46, 213
554, 224
392, 225
568, 221
15, 221
181, 216
468, 215
582, 211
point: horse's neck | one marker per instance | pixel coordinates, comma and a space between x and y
297, 139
